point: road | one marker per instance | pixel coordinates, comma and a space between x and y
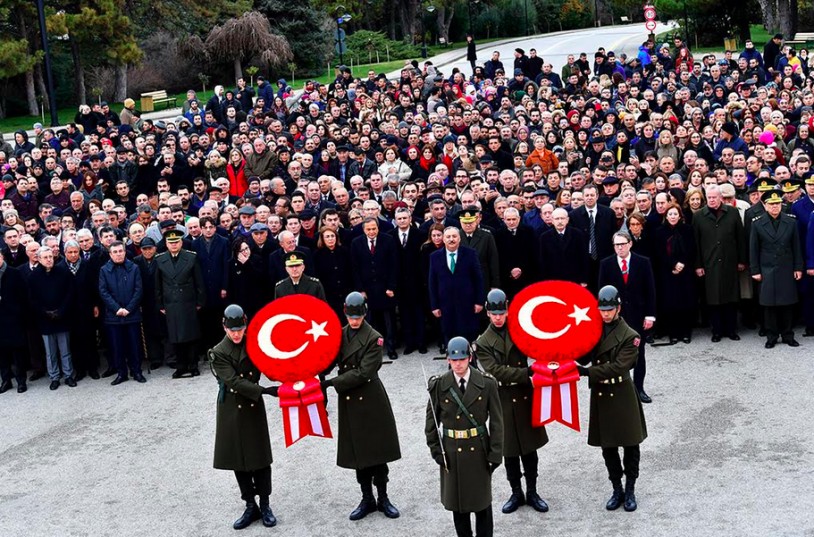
729, 453
554, 47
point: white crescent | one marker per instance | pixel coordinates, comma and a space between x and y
267, 345
525, 313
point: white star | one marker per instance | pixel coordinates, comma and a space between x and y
580, 314
317, 330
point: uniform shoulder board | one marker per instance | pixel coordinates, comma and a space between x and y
278, 283
313, 279
432, 382
486, 230
193, 252
488, 375
160, 254
758, 217
790, 215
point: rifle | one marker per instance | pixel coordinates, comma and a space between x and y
435, 420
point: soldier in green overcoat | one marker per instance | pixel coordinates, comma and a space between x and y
242, 432
367, 438
617, 418
462, 400
298, 282
498, 356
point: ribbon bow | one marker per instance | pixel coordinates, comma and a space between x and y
303, 410
555, 394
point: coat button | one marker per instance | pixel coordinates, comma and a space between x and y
459, 450
471, 449
525, 397
480, 398
241, 375
239, 406
514, 400
252, 405
360, 398
611, 395
446, 400
347, 397
600, 394
458, 417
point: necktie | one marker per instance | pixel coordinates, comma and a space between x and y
463, 386
404, 239
452, 262
624, 270
514, 232
372, 246
592, 235
85, 255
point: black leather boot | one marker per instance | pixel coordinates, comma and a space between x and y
617, 497
630, 496
384, 504
515, 500
269, 520
251, 514
367, 505
532, 498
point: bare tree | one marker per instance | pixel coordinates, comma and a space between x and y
244, 37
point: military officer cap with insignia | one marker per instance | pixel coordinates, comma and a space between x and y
174, 235
765, 185
790, 185
773, 196
809, 180
468, 214
294, 259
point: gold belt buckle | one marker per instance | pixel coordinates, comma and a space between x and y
473, 432
461, 435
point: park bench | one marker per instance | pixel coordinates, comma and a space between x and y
801, 38
152, 98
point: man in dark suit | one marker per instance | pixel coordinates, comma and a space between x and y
361, 165
564, 252
13, 253
375, 275
632, 275
456, 287
13, 305
213, 257
598, 223
483, 243
180, 294
518, 263
408, 248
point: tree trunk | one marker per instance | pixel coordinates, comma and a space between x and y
79, 74
784, 18
768, 11
120, 91
31, 94
40, 82
443, 19
407, 12
794, 17
238, 68
391, 22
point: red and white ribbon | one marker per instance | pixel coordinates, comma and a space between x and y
303, 409
555, 394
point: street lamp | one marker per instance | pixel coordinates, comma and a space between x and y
340, 33
429, 9
49, 76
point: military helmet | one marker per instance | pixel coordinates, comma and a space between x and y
234, 318
496, 302
355, 305
458, 348
609, 298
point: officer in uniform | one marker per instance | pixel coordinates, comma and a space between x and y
617, 418
776, 263
297, 282
368, 439
482, 241
242, 432
498, 356
180, 293
461, 402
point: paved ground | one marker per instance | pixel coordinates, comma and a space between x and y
729, 453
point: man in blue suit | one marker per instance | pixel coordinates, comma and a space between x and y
375, 275
213, 257
456, 287
632, 275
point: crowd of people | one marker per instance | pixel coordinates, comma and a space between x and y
684, 181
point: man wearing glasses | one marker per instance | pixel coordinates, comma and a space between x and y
632, 275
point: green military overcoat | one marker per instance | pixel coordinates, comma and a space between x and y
180, 291
308, 286
242, 432
776, 254
721, 246
467, 485
367, 428
617, 418
499, 357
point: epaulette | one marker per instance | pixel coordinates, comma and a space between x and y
160, 254
758, 217
278, 283
193, 252
488, 375
486, 230
314, 279
792, 215
433, 380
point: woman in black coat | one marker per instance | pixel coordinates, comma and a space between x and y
675, 278
435, 241
245, 279
333, 268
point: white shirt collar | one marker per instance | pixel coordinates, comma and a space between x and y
465, 377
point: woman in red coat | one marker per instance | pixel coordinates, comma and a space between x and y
235, 172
